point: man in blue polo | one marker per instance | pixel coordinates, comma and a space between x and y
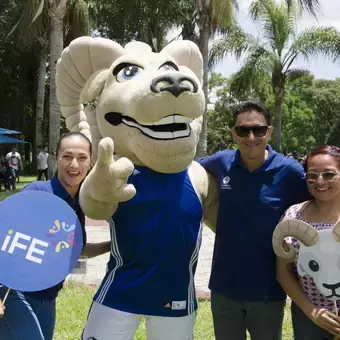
257, 185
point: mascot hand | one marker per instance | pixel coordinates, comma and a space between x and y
108, 178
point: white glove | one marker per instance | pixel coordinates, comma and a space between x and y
106, 182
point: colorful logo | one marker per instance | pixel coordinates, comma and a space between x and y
66, 229
40, 246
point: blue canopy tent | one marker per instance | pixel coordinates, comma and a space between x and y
9, 132
8, 140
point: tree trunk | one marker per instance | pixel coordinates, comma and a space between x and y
57, 13
204, 27
39, 113
279, 91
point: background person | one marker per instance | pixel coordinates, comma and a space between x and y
15, 163
42, 163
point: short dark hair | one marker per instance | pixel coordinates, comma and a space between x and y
250, 105
71, 134
331, 150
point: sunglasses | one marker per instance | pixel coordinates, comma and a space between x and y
327, 176
244, 131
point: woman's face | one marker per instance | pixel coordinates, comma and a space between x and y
73, 161
323, 177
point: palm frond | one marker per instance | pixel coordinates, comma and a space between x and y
257, 65
39, 11
222, 13
76, 21
294, 74
247, 78
313, 6
317, 41
278, 21
236, 42
33, 27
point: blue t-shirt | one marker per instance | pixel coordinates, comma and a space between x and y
155, 238
54, 187
251, 205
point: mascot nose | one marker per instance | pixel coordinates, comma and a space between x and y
174, 84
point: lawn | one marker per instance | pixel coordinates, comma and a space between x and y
74, 302
23, 181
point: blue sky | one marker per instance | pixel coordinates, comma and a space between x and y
320, 67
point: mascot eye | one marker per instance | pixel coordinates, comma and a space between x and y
128, 73
314, 266
169, 66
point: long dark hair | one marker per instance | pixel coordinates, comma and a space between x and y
331, 150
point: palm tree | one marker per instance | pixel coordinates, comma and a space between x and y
210, 15
32, 34
79, 22
275, 52
57, 11
47, 24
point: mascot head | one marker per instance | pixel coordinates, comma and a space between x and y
150, 104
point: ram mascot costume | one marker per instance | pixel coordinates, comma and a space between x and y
145, 128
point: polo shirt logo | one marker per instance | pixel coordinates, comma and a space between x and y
225, 183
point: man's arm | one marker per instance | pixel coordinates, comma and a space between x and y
95, 249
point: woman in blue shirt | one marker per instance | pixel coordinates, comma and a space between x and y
32, 315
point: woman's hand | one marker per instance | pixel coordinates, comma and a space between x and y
326, 320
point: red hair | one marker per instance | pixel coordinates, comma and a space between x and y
331, 150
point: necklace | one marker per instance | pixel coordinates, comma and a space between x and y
317, 211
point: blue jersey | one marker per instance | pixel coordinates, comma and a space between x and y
251, 205
156, 238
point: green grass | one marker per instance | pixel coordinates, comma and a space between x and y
24, 180
74, 302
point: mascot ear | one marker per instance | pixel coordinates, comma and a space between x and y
94, 85
186, 53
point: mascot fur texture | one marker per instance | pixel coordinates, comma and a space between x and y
144, 129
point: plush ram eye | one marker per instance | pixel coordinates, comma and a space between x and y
128, 73
314, 266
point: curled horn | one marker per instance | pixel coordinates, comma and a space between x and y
336, 232
78, 62
300, 230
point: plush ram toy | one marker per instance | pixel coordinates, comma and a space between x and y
319, 254
147, 122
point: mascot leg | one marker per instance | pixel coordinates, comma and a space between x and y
105, 323
166, 328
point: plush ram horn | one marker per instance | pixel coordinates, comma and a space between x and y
336, 232
300, 230
78, 62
